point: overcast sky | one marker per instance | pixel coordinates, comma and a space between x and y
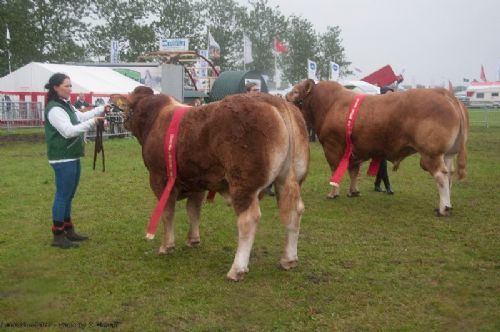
433, 41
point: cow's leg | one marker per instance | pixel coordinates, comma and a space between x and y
354, 168
157, 183
448, 160
193, 207
333, 154
247, 225
291, 210
334, 192
168, 239
436, 166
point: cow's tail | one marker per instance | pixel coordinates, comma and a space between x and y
462, 152
462, 134
287, 118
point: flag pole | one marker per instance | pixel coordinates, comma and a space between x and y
244, 47
7, 37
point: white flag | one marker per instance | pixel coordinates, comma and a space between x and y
213, 47
247, 50
334, 71
7, 35
311, 70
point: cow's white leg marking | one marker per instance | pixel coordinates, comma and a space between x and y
247, 225
291, 210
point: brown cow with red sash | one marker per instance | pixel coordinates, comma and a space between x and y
393, 126
235, 147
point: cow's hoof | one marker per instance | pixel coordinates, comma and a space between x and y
288, 264
353, 194
193, 243
447, 212
236, 274
332, 196
166, 250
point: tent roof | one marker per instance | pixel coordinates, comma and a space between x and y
33, 77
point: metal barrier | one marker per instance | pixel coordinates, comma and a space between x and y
487, 117
25, 114
21, 114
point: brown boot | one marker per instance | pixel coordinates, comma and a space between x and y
69, 229
60, 239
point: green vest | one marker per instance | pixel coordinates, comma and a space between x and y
59, 147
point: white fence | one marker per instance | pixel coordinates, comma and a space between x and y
21, 114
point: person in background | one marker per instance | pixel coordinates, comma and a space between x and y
64, 130
252, 87
80, 102
382, 171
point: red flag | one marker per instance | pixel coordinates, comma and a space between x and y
450, 87
483, 76
279, 46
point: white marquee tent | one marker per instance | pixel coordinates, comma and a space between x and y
27, 83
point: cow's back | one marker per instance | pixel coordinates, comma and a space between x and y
397, 124
243, 139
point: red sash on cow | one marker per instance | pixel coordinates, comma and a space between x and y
171, 165
344, 162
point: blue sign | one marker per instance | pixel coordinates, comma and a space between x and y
174, 44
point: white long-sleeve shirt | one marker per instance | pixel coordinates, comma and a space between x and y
60, 120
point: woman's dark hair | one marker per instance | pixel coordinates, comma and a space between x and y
54, 80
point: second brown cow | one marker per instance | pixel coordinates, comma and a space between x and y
393, 126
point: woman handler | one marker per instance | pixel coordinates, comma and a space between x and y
64, 130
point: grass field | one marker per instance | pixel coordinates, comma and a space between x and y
377, 262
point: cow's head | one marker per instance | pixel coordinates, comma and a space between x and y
300, 92
127, 103
123, 104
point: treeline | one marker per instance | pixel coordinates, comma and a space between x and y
81, 31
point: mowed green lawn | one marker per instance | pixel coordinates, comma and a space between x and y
376, 262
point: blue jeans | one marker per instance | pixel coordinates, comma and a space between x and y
67, 179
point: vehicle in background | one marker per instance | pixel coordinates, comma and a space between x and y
484, 94
462, 96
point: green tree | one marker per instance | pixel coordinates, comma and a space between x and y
43, 30
331, 49
124, 21
302, 44
179, 19
224, 19
263, 25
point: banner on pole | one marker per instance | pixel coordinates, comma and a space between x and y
311, 70
334, 71
115, 52
247, 50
